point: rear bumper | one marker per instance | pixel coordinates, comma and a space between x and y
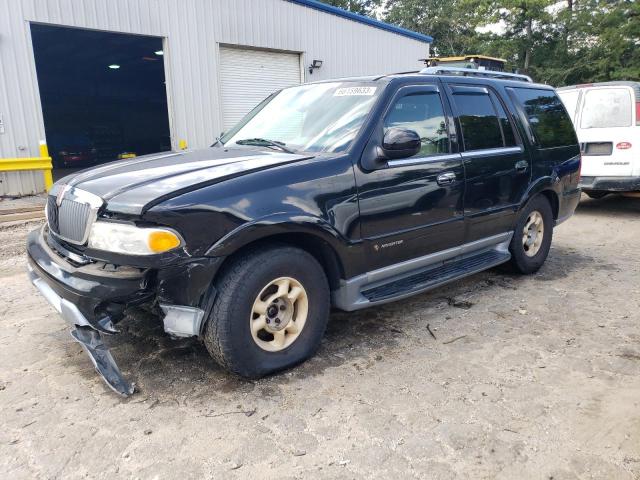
611, 184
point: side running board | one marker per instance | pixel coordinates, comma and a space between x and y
434, 277
421, 274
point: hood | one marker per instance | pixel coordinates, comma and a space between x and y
128, 186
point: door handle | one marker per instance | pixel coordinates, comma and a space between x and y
521, 166
446, 178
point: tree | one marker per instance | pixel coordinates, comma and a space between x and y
363, 7
448, 22
524, 24
557, 42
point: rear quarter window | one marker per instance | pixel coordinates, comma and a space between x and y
606, 108
547, 117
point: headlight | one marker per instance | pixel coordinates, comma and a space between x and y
129, 239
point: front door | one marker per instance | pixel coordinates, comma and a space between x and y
414, 206
497, 167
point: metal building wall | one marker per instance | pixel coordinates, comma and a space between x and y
193, 31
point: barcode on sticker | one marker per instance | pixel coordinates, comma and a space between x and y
349, 91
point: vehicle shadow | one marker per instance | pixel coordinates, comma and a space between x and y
565, 260
610, 205
166, 368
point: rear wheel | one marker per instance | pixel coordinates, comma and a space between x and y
270, 313
531, 240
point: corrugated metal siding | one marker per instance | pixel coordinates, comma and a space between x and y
249, 76
193, 31
16, 184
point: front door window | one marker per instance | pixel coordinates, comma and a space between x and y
421, 112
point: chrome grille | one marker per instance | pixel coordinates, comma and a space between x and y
72, 219
52, 214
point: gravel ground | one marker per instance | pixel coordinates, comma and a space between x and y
528, 377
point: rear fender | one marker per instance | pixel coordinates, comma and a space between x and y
550, 185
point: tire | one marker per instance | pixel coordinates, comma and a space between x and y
228, 332
528, 258
596, 194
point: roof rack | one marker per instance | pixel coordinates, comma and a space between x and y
475, 73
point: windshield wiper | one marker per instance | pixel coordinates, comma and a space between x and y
263, 142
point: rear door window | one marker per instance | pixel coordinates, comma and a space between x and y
606, 108
547, 117
505, 123
478, 118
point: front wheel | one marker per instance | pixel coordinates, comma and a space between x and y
271, 311
531, 240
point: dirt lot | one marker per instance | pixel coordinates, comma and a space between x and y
528, 377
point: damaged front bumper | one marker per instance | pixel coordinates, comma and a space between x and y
86, 335
91, 298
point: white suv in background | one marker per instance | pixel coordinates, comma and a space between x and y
606, 117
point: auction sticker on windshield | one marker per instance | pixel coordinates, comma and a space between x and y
350, 91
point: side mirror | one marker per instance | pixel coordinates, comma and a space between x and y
400, 143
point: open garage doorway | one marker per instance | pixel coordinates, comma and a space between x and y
103, 95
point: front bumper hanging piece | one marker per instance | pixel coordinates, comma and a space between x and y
103, 361
87, 336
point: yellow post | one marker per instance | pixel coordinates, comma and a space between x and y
48, 177
182, 144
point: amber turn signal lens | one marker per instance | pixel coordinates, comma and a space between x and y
163, 241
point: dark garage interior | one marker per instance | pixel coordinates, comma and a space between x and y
103, 95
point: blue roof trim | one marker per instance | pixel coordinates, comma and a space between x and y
323, 7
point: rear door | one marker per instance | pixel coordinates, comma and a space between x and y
497, 168
607, 131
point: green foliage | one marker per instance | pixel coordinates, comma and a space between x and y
560, 43
363, 7
450, 25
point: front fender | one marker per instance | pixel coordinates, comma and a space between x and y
277, 224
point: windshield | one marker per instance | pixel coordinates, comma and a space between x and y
323, 117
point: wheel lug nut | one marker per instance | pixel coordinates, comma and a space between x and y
283, 308
268, 320
277, 320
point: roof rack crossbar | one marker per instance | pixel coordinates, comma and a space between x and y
475, 73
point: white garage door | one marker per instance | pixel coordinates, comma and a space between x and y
249, 76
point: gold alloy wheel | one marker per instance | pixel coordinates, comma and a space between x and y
533, 233
279, 314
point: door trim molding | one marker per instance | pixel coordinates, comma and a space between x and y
488, 152
406, 162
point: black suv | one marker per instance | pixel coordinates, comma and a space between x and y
346, 193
